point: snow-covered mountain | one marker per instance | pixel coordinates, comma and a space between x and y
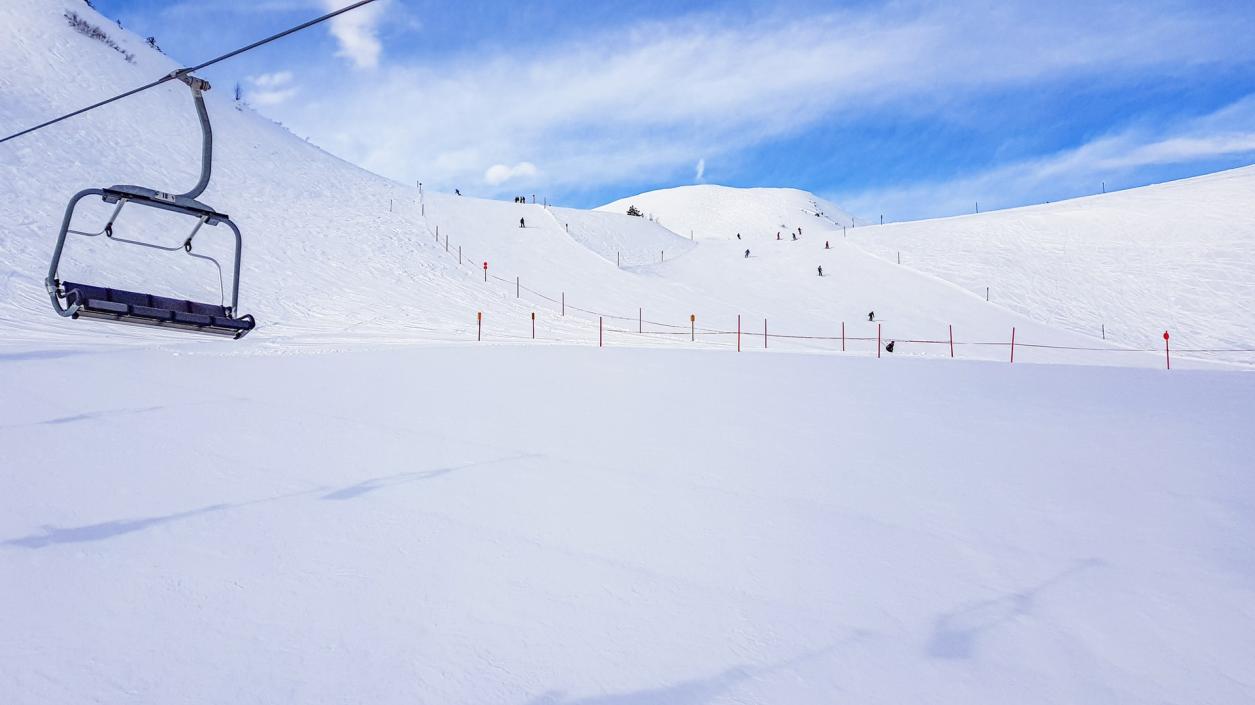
360, 503
337, 254
711, 212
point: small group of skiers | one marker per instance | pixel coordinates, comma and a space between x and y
523, 199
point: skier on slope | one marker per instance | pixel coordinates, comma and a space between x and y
738, 236
889, 347
747, 254
777, 234
795, 237
821, 270
522, 224
871, 316
826, 247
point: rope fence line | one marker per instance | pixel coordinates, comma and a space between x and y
679, 330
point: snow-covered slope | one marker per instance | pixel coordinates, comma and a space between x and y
708, 211
571, 526
1119, 268
1177, 256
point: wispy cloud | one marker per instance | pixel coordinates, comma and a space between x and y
700, 172
357, 32
1229, 132
648, 101
269, 89
499, 174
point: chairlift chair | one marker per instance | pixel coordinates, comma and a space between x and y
76, 300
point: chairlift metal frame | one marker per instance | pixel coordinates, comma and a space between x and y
82, 301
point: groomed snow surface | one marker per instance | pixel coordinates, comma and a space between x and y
360, 503
573, 525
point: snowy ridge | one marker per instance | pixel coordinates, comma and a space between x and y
711, 212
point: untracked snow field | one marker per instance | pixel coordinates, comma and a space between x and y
502, 524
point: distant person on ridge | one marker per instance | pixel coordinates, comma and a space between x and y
889, 347
826, 247
821, 270
747, 254
522, 224
871, 316
777, 235
795, 237
738, 236
457, 191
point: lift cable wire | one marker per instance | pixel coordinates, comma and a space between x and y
183, 72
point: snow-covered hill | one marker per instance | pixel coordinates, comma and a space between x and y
1177, 256
710, 212
1122, 267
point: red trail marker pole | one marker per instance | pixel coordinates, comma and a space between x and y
479, 325
764, 334
564, 303
533, 325
738, 332
842, 336
1167, 356
877, 341
692, 327
485, 272
951, 340
1012, 345
600, 338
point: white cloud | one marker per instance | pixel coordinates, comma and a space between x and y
498, 174
700, 172
270, 89
357, 32
647, 102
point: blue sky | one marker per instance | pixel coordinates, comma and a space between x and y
909, 108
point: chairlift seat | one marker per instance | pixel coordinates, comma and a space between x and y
146, 309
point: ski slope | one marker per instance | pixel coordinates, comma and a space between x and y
360, 503
492, 525
1177, 256
1118, 268
335, 256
